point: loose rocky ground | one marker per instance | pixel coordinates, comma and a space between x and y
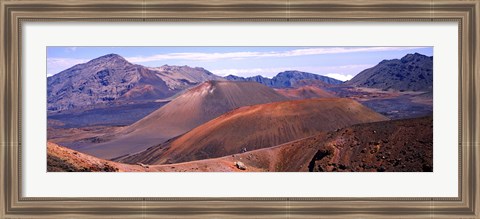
390, 103
396, 146
387, 146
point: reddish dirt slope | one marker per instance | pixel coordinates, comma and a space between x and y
289, 157
256, 127
196, 106
61, 159
304, 92
391, 146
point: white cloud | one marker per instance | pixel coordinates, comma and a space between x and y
65, 61
340, 77
362, 66
249, 72
347, 71
243, 55
71, 49
56, 65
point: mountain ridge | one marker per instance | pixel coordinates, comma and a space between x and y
285, 79
111, 79
413, 72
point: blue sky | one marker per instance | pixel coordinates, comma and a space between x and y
338, 62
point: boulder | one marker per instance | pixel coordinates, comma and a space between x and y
240, 165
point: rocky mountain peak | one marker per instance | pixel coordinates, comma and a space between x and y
112, 80
108, 60
285, 79
416, 57
412, 72
289, 73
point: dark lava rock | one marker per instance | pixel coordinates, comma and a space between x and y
397, 154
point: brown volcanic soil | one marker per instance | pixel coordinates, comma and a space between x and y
61, 159
256, 127
387, 146
289, 157
196, 106
400, 145
61, 135
304, 92
390, 146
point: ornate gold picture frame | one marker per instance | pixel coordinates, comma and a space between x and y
14, 13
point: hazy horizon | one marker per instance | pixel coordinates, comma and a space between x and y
341, 63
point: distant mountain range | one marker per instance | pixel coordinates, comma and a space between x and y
112, 83
413, 72
286, 79
293, 121
111, 79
